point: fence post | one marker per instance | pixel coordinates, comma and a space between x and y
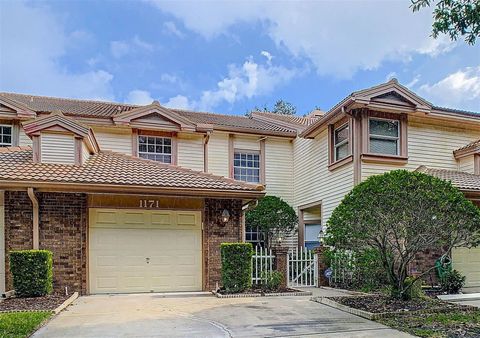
281, 264
321, 266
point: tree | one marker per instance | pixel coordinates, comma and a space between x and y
280, 107
273, 216
401, 214
454, 17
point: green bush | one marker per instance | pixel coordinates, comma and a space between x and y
452, 281
236, 266
413, 289
32, 272
272, 280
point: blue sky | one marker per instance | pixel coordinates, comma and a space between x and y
228, 57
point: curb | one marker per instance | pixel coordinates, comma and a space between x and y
66, 303
375, 316
254, 295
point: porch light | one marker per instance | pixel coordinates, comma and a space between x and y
321, 234
225, 216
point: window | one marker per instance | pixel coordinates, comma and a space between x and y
155, 148
340, 142
384, 136
311, 235
254, 236
246, 167
5, 136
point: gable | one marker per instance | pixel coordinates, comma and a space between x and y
393, 97
156, 120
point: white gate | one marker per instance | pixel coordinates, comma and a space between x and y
302, 268
262, 261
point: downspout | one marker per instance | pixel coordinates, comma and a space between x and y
34, 200
206, 138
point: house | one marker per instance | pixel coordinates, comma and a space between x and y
138, 198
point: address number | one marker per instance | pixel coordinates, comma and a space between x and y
149, 204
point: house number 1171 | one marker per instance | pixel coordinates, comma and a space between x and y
148, 204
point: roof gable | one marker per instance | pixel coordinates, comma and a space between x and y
157, 115
21, 110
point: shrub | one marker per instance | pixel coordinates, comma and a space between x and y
401, 214
413, 289
236, 266
32, 272
271, 280
452, 281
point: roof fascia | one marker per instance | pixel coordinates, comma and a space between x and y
56, 119
23, 112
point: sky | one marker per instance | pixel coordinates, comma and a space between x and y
230, 56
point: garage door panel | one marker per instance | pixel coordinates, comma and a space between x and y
119, 251
467, 262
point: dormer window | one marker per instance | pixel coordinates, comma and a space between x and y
155, 148
5, 135
384, 136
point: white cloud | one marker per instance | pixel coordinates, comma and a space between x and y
169, 27
180, 102
459, 89
32, 42
390, 76
339, 38
267, 55
247, 81
140, 97
122, 48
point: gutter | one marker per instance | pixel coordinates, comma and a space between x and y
35, 234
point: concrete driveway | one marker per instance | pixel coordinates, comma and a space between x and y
150, 315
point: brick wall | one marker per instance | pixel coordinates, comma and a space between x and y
424, 261
216, 233
63, 228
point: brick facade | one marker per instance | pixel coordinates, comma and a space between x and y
63, 230
424, 261
216, 233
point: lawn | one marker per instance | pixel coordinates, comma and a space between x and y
21, 324
458, 323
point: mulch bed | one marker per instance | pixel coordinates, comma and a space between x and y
382, 304
44, 303
257, 291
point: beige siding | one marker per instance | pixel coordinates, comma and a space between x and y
429, 145
23, 139
85, 153
218, 154
57, 148
279, 168
246, 142
116, 140
313, 181
190, 151
467, 164
2, 242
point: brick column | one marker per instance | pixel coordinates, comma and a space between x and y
322, 280
281, 262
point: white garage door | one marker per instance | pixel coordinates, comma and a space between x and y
467, 262
144, 251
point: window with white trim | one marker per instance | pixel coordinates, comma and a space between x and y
384, 136
255, 236
341, 147
155, 148
246, 166
5, 135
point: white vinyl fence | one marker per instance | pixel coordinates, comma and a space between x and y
262, 261
302, 268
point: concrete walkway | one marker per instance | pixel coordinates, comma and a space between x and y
150, 315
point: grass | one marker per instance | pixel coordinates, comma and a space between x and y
457, 323
21, 324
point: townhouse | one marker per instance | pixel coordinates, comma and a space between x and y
138, 198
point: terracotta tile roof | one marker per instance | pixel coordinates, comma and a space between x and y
109, 168
461, 180
233, 121
293, 119
88, 108
471, 145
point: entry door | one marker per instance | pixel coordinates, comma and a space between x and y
144, 251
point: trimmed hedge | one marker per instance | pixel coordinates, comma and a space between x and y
236, 266
32, 272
